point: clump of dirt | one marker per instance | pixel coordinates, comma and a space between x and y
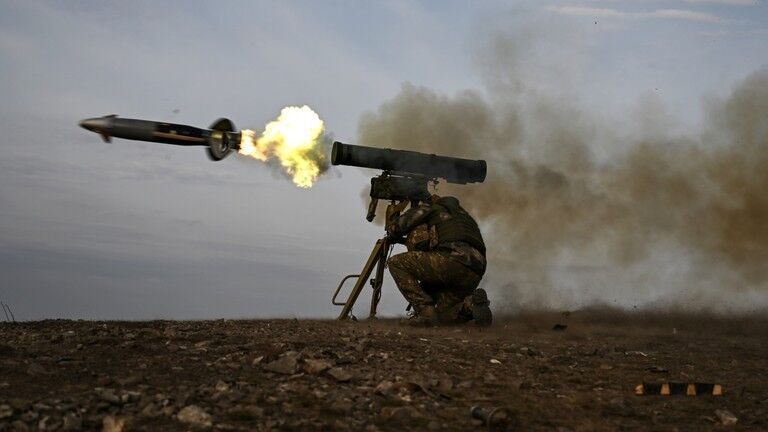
324, 375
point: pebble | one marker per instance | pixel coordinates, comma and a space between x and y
107, 395
72, 422
339, 374
726, 417
113, 424
195, 416
287, 364
316, 366
5, 411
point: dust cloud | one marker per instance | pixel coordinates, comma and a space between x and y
580, 210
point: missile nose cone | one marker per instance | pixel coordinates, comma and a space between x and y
97, 125
100, 125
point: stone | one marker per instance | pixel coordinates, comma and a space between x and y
384, 387
130, 397
113, 424
5, 411
221, 387
340, 374
195, 416
72, 422
287, 364
107, 395
316, 366
726, 417
151, 410
48, 423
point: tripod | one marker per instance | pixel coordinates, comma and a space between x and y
377, 259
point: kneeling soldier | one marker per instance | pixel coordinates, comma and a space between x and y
445, 261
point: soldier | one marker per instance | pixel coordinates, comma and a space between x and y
445, 261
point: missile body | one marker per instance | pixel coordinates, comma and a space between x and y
219, 140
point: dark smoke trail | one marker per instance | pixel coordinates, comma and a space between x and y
670, 221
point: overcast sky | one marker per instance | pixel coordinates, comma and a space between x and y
134, 230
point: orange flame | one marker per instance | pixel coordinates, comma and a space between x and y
294, 140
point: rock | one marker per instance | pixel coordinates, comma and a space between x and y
316, 366
287, 364
107, 395
202, 345
113, 424
726, 417
72, 422
151, 411
195, 416
384, 388
5, 411
339, 374
48, 423
35, 369
41, 407
466, 384
130, 397
221, 387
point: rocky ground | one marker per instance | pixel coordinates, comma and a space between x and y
324, 375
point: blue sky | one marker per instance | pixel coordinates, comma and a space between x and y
132, 230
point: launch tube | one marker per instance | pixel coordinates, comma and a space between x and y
453, 170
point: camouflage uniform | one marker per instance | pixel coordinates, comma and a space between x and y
447, 272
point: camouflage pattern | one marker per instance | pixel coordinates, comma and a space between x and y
461, 252
434, 278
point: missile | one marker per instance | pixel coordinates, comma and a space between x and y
220, 139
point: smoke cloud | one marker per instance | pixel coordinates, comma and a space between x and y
578, 210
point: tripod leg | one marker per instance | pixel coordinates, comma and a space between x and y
381, 263
373, 259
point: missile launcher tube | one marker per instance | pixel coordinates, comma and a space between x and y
453, 170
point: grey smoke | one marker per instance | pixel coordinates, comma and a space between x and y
581, 210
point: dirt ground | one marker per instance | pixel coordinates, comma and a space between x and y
325, 375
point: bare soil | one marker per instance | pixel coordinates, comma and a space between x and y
325, 375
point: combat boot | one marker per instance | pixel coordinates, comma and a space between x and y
425, 316
481, 310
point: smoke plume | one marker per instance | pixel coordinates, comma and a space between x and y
578, 210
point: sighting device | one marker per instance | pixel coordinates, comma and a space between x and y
405, 179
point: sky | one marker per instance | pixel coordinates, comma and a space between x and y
132, 230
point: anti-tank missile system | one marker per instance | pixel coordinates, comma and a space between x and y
220, 139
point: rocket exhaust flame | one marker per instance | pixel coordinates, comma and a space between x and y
294, 140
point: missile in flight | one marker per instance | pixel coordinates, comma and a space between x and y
219, 140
